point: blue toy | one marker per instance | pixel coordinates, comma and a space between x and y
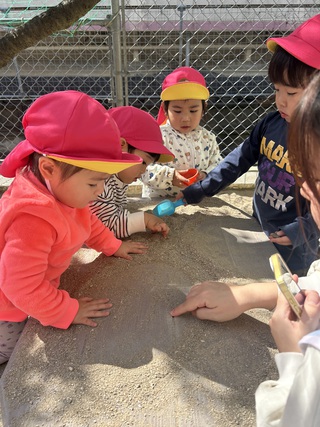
167, 207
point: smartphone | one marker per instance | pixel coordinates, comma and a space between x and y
285, 282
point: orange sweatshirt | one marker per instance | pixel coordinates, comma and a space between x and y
38, 237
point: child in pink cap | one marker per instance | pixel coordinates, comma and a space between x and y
71, 146
140, 135
295, 61
282, 215
184, 95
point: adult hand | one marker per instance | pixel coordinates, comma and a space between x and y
155, 224
89, 307
288, 331
211, 301
130, 247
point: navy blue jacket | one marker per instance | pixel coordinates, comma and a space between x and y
275, 199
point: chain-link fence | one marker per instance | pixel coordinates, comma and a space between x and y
121, 51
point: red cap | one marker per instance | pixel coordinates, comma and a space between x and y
70, 127
303, 43
141, 131
183, 83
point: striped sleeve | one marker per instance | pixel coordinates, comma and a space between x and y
109, 207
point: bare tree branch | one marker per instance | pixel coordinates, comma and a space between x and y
54, 19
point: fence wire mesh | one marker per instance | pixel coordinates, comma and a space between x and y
120, 52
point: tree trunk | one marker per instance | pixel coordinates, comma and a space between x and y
54, 19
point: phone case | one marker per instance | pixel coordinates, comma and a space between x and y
284, 278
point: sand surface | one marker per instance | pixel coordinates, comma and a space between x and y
140, 367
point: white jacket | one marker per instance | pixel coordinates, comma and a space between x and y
294, 399
197, 149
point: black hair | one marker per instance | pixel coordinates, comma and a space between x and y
288, 70
67, 170
155, 156
166, 105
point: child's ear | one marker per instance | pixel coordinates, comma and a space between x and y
164, 109
47, 167
205, 107
124, 145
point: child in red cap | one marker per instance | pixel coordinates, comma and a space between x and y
140, 135
71, 146
184, 95
283, 216
295, 61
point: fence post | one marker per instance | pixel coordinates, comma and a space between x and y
116, 42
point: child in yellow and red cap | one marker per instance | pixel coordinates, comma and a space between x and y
71, 146
184, 95
140, 135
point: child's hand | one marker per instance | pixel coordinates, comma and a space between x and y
180, 196
130, 247
179, 180
155, 224
89, 307
211, 301
287, 332
202, 175
280, 238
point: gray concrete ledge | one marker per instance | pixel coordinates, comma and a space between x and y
135, 189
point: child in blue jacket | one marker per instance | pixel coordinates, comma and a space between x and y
282, 213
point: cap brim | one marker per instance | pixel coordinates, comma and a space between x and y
298, 48
185, 90
104, 166
19, 156
154, 147
166, 158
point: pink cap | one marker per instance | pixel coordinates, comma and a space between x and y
71, 127
183, 83
303, 43
141, 131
